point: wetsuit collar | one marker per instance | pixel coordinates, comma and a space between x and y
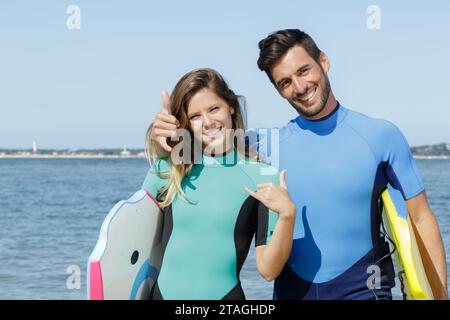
227, 159
324, 124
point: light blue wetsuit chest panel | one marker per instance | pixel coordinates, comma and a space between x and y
336, 169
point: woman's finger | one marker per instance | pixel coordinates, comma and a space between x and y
265, 185
163, 119
253, 194
165, 126
163, 144
158, 133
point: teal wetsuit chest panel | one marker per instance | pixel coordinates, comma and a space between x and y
204, 229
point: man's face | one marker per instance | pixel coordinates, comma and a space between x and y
302, 81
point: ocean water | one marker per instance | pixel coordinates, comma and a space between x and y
51, 211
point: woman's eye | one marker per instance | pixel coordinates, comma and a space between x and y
195, 117
215, 108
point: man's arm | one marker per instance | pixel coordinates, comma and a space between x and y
430, 243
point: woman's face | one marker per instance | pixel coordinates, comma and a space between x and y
210, 120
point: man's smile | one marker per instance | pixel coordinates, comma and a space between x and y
307, 96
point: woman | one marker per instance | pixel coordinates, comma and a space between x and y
210, 210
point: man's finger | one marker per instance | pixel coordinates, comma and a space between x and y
283, 179
166, 102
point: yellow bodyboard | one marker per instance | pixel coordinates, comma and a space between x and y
407, 256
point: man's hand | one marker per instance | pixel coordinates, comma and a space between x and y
165, 124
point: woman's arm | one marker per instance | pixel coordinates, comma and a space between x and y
271, 258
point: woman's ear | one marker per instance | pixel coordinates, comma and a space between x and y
231, 110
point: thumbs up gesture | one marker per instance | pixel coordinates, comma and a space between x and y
275, 197
165, 124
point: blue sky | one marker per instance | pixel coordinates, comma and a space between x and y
100, 86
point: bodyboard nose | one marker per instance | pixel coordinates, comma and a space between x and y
126, 259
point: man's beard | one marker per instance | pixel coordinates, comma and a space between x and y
322, 103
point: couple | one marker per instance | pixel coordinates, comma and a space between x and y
316, 240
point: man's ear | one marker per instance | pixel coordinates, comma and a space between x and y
324, 62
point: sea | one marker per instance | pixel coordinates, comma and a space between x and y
51, 211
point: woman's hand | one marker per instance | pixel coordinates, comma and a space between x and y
271, 258
164, 126
275, 197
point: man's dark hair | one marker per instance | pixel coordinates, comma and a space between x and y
274, 46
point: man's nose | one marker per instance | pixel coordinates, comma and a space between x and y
299, 86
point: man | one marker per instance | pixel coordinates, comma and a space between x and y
339, 161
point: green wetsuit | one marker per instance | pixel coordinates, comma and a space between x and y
206, 242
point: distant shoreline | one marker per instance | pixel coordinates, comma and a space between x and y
429, 152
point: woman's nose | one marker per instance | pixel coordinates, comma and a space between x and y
207, 121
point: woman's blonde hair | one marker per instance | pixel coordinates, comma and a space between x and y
185, 89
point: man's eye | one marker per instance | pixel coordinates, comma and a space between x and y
304, 72
283, 85
195, 117
214, 108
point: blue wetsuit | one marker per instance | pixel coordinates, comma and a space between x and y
337, 168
